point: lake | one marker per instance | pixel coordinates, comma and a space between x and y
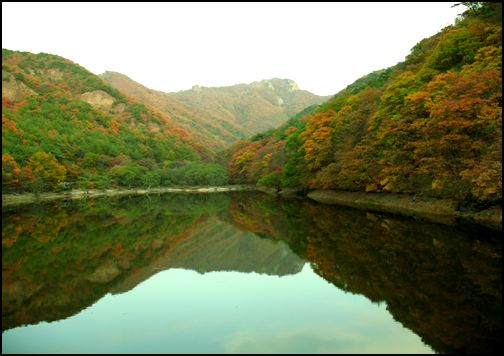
243, 273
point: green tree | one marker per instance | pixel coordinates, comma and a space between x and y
271, 180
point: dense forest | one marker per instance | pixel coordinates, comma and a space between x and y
63, 127
430, 126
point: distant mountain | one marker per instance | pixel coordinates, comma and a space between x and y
219, 116
256, 107
213, 132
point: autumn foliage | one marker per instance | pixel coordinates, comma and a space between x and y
431, 125
54, 138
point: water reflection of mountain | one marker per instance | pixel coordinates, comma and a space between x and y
59, 259
219, 246
443, 283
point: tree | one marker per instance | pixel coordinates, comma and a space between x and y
10, 170
47, 169
480, 8
270, 180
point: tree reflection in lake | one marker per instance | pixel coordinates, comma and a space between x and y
442, 283
445, 284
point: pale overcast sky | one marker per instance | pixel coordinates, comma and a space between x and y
173, 46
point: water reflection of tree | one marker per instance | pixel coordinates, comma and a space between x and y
58, 259
441, 282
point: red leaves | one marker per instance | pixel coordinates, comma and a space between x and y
10, 169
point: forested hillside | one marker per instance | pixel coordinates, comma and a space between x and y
218, 116
429, 126
213, 132
63, 127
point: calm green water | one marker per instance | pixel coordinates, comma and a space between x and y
243, 273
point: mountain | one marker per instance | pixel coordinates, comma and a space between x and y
219, 116
63, 126
429, 126
209, 130
256, 107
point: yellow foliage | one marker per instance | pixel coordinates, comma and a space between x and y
266, 160
388, 187
437, 184
384, 181
372, 187
47, 167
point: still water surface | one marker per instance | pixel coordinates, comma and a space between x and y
243, 273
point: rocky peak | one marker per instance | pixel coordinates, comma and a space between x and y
277, 84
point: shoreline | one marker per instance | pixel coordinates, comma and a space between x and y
444, 211
10, 200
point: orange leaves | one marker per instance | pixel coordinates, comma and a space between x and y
8, 124
245, 154
454, 139
419, 104
436, 126
266, 160
10, 169
114, 126
239, 164
180, 132
11, 126
322, 133
6, 103
317, 140
27, 173
419, 96
63, 85
486, 180
19, 104
256, 160
118, 249
318, 149
290, 130
441, 82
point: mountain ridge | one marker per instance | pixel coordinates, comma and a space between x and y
226, 113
